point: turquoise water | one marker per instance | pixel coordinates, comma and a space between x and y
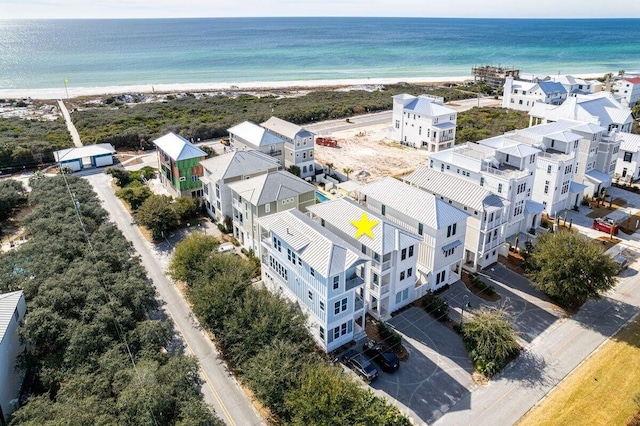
92, 53
320, 196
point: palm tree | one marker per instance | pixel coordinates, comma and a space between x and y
329, 166
347, 171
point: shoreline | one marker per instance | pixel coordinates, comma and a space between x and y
76, 92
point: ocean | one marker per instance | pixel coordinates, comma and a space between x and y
38, 54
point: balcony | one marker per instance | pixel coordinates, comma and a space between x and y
275, 153
386, 265
384, 290
359, 305
354, 282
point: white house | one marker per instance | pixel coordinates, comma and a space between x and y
98, 155
323, 274
488, 213
574, 85
298, 147
628, 89
12, 311
250, 136
423, 122
628, 162
393, 252
503, 166
598, 108
222, 170
441, 226
255, 197
522, 95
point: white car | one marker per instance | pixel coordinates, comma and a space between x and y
226, 248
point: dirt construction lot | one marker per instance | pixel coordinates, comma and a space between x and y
370, 155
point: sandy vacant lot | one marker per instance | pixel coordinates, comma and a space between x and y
369, 153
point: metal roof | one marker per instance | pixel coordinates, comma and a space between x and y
387, 236
628, 141
271, 187
453, 188
238, 163
8, 304
321, 249
519, 150
413, 202
597, 176
531, 207
285, 128
575, 188
76, 153
445, 126
451, 245
599, 106
254, 134
178, 148
427, 106
550, 87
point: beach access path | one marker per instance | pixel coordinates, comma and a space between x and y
75, 136
220, 389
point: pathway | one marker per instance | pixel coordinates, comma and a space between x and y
75, 136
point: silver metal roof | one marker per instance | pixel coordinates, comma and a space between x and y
387, 236
271, 187
239, 163
285, 128
254, 134
413, 202
178, 148
316, 246
76, 153
8, 304
454, 188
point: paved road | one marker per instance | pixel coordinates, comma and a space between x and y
75, 136
220, 388
327, 127
548, 359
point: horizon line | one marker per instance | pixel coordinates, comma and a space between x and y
324, 17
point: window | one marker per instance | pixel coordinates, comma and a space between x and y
546, 186
384, 209
343, 329
310, 295
409, 272
420, 228
344, 304
336, 307
312, 272
442, 167
322, 306
481, 181
195, 178
449, 252
336, 282
398, 297
401, 275
411, 251
336, 333
628, 156
397, 124
549, 169
267, 208
451, 230
182, 179
321, 334
420, 130
403, 255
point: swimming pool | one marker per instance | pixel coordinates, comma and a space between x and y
321, 197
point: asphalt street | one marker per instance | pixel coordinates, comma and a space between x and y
220, 388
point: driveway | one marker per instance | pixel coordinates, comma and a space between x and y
436, 374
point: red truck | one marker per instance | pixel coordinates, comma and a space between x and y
327, 142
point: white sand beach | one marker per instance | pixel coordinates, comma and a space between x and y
73, 92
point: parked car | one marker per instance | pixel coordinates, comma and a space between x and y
226, 248
622, 262
360, 365
382, 355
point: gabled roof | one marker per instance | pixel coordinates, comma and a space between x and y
549, 87
427, 106
285, 128
453, 188
271, 187
321, 249
178, 148
518, 150
413, 202
8, 304
387, 236
83, 152
531, 207
628, 141
238, 163
598, 107
254, 134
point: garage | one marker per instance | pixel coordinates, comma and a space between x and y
99, 155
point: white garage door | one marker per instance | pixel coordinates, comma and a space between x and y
106, 160
74, 165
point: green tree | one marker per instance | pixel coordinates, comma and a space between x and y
491, 340
134, 195
158, 215
571, 269
122, 176
11, 194
329, 166
187, 208
294, 170
190, 255
347, 171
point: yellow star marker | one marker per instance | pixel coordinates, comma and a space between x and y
364, 226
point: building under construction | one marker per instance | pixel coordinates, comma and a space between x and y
494, 76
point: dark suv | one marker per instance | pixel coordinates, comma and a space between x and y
382, 355
361, 365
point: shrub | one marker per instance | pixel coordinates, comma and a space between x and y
121, 176
436, 307
134, 195
388, 335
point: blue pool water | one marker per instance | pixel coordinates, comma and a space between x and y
321, 197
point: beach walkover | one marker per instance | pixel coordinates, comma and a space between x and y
75, 136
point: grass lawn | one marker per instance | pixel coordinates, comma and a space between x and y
600, 391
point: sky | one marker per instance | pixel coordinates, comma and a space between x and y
57, 9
